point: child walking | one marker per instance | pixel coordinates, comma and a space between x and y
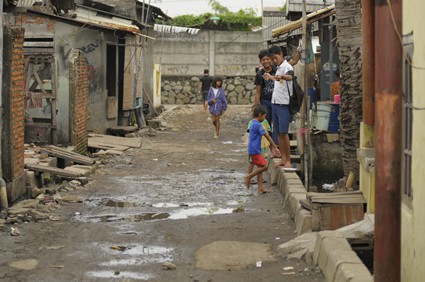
256, 133
264, 143
218, 103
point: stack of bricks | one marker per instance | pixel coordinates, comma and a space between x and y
13, 104
79, 92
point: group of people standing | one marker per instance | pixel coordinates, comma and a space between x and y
271, 107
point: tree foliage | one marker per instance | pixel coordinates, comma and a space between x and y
242, 20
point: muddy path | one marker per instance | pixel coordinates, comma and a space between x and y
172, 200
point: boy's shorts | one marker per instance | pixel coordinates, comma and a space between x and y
280, 118
258, 160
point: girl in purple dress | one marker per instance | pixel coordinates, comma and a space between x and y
217, 103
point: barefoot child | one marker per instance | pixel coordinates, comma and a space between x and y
218, 104
256, 133
264, 143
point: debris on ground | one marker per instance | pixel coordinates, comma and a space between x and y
169, 266
239, 209
14, 231
119, 248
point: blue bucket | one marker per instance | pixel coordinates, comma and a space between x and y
334, 118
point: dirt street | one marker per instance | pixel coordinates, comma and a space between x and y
175, 209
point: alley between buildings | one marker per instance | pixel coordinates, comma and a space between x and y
175, 209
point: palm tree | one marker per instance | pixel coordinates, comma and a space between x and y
348, 17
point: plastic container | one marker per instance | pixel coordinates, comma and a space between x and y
321, 115
334, 118
337, 99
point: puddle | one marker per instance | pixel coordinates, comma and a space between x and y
182, 214
141, 250
118, 204
105, 218
148, 216
165, 205
119, 275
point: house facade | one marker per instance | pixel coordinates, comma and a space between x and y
413, 194
67, 73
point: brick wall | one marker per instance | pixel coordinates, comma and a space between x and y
13, 104
79, 93
41, 22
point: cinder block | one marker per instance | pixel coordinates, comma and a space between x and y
352, 273
281, 181
324, 242
31, 180
294, 203
273, 171
292, 181
303, 221
296, 189
336, 258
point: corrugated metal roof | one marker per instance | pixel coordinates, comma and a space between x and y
311, 5
312, 17
89, 16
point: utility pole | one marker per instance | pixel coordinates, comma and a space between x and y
305, 126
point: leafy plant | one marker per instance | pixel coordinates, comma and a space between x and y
242, 20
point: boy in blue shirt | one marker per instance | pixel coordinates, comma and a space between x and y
256, 132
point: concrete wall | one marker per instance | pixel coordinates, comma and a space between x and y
148, 48
93, 43
413, 226
183, 58
223, 53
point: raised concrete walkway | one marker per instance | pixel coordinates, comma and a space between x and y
332, 253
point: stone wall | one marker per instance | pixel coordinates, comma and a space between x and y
185, 90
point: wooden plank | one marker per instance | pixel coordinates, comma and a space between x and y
336, 216
64, 154
315, 194
115, 140
105, 146
338, 201
39, 44
53, 170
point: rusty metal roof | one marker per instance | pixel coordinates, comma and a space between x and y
94, 17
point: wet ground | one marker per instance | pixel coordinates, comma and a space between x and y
179, 199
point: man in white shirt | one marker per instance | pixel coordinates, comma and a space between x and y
280, 103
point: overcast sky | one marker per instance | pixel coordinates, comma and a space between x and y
182, 7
